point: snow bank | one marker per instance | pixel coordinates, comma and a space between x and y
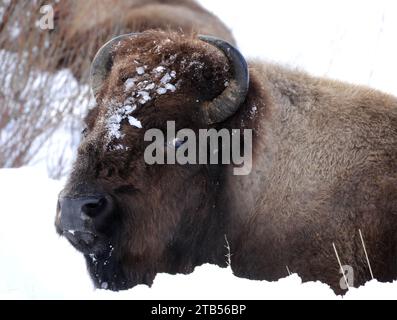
37, 264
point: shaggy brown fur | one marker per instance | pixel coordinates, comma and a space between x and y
325, 166
86, 25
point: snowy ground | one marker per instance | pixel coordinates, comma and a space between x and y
348, 40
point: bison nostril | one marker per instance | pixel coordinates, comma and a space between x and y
84, 214
94, 207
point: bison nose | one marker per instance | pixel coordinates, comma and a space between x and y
82, 213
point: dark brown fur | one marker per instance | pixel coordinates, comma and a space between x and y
325, 167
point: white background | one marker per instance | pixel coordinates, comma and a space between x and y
352, 40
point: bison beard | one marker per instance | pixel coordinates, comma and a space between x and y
324, 167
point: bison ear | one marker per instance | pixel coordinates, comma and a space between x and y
229, 101
102, 63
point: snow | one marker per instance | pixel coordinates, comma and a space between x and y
119, 147
134, 122
128, 109
15, 32
114, 126
116, 114
150, 86
146, 86
170, 87
129, 84
161, 91
159, 69
140, 89
140, 70
145, 96
348, 40
165, 79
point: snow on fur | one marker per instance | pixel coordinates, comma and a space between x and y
141, 88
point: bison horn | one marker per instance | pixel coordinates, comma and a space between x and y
102, 63
215, 111
228, 102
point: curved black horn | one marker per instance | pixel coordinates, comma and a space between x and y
228, 102
102, 63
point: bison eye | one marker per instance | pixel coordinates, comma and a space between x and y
176, 143
128, 189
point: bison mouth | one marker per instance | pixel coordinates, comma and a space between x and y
104, 268
85, 242
106, 271
102, 265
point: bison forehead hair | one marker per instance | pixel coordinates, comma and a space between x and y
201, 68
153, 212
154, 77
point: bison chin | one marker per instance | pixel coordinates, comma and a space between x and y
106, 271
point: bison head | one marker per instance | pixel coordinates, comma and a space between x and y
132, 220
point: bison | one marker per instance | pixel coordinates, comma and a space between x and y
108, 18
81, 27
321, 195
